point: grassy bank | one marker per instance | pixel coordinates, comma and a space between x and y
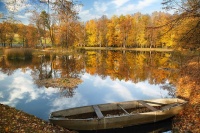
134, 49
16, 121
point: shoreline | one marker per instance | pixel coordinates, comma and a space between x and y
14, 120
131, 49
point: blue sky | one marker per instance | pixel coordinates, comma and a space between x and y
97, 8
92, 9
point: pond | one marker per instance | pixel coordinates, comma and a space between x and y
51, 82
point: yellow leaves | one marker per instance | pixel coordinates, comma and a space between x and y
91, 30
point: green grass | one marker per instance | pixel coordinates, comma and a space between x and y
18, 53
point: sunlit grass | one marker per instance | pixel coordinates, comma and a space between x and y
18, 53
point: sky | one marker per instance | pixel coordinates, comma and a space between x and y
92, 9
96, 8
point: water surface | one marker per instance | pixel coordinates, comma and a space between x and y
107, 76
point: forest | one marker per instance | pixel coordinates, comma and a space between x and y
61, 27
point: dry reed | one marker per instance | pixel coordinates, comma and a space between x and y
18, 53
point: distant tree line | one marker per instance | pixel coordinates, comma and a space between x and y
63, 29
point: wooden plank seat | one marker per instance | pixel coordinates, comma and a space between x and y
123, 109
98, 111
147, 105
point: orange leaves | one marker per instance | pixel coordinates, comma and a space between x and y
188, 87
188, 119
15, 121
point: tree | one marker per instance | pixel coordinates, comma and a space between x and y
112, 31
142, 23
188, 14
66, 14
10, 29
103, 29
80, 33
37, 22
44, 20
125, 23
3, 33
22, 32
32, 36
91, 30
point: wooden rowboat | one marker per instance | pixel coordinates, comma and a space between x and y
117, 115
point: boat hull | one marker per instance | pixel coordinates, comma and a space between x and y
117, 121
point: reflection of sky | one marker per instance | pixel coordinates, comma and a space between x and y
114, 91
18, 90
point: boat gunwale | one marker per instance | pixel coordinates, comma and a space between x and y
114, 116
108, 117
169, 99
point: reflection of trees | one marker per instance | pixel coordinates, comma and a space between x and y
51, 70
101, 64
62, 72
136, 66
178, 74
67, 92
4, 68
9, 66
176, 70
170, 88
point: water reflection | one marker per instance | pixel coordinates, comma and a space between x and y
19, 90
131, 65
106, 76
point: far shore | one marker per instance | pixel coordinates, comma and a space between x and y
132, 49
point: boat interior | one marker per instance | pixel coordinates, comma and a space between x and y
115, 109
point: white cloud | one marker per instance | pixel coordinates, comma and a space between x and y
21, 87
117, 87
24, 16
65, 103
85, 76
101, 7
1, 95
144, 3
21, 16
126, 9
98, 82
86, 15
138, 7
15, 5
150, 91
119, 3
122, 91
2, 76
